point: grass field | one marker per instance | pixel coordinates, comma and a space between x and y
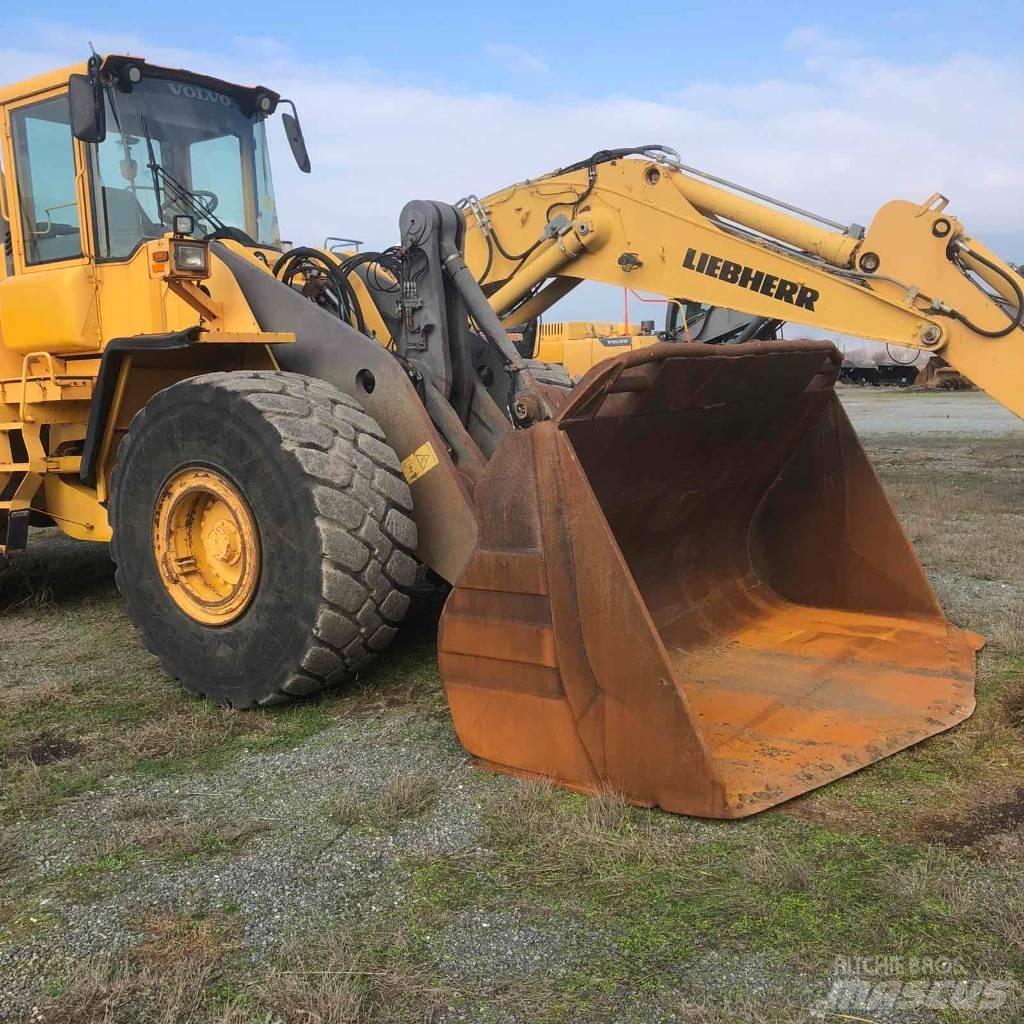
339, 860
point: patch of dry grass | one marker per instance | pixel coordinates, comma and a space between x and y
175, 838
781, 865
405, 796
345, 808
742, 1008
180, 732
169, 977
990, 897
83, 701
184, 969
345, 979
1007, 634
200, 940
134, 807
556, 840
959, 501
105, 992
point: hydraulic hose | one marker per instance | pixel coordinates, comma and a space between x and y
291, 263
1016, 320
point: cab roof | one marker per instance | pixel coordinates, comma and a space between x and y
112, 63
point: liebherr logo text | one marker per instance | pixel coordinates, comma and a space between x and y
197, 92
759, 281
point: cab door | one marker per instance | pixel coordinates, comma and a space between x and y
49, 301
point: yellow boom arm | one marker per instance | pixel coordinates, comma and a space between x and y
913, 278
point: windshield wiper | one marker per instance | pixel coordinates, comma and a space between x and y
176, 192
152, 165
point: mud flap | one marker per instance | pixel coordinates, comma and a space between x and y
690, 587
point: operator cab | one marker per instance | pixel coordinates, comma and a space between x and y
166, 144
98, 168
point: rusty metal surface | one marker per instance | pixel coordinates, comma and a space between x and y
689, 586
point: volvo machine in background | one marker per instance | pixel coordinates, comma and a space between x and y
679, 579
579, 345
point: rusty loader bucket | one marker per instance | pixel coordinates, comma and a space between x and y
689, 587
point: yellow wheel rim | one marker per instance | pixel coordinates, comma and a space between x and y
206, 545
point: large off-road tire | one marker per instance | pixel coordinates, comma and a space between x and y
262, 533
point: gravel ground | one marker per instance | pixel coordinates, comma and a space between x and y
299, 868
291, 863
296, 867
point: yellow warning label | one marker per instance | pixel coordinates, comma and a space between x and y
421, 462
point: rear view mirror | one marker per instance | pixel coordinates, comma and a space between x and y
293, 130
88, 114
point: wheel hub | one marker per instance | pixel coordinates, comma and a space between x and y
206, 545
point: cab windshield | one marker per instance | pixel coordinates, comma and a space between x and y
212, 151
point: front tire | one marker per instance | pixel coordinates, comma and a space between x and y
262, 534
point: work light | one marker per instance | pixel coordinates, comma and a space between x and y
191, 258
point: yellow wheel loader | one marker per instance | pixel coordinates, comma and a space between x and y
679, 579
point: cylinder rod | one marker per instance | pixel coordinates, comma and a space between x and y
831, 246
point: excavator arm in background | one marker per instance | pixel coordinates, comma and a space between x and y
639, 219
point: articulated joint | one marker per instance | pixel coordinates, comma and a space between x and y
589, 231
932, 336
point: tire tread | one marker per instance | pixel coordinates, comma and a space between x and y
340, 455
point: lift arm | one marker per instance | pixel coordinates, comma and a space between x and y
914, 277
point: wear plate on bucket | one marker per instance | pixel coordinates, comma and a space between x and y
689, 587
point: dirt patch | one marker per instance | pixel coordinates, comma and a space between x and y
983, 823
46, 749
1013, 711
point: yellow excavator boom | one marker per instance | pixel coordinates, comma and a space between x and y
914, 277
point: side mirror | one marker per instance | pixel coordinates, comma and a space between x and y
88, 113
293, 131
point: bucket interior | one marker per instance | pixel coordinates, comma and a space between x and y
798, 624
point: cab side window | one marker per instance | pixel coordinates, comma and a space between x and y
45, 170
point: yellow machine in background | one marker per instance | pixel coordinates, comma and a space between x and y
580, 345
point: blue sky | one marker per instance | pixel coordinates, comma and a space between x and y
836, 107
600, 45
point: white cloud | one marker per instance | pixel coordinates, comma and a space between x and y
841, 134
817, 43
516, 59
